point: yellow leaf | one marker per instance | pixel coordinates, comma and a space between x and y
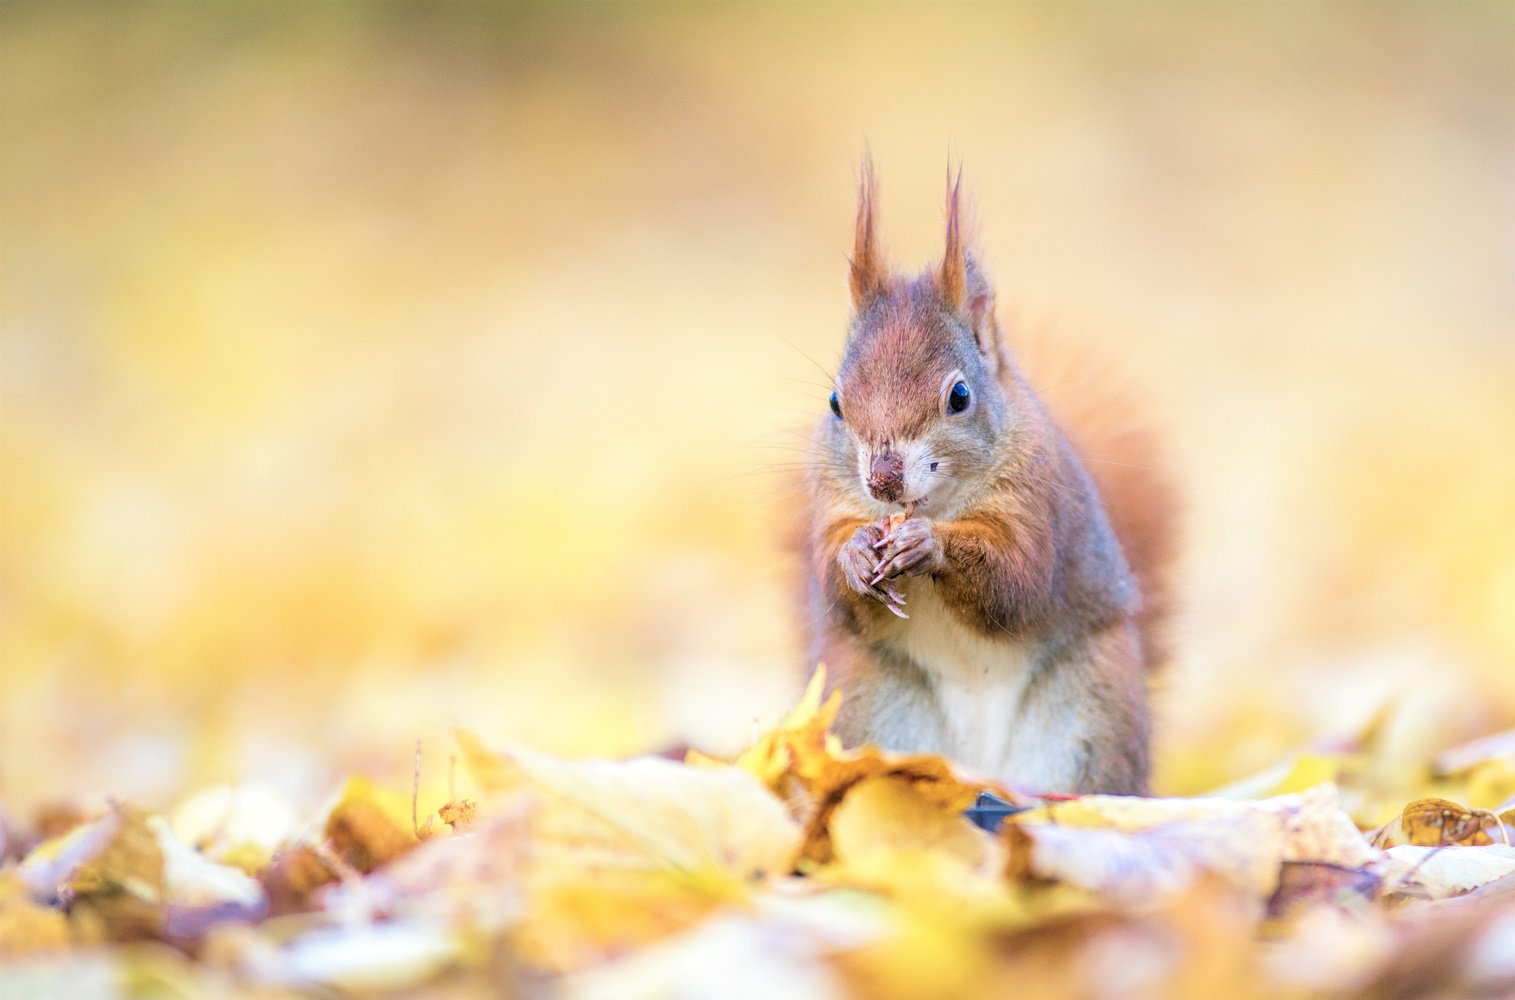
806, 725
625, 852
885, 826
827, 773
369, 825
645, 813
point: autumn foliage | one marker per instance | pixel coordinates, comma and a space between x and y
800, 869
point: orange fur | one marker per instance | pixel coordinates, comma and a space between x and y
1099, 413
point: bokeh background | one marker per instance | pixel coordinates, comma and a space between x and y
371, 369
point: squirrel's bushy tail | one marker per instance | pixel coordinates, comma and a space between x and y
1101, 418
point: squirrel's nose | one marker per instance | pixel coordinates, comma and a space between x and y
886, 476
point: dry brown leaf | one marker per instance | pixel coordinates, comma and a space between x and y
109, 872
460, 814
369, 826
1440, 822
292, 879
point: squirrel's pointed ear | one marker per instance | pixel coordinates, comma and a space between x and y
960, 283
952, 279
869, 274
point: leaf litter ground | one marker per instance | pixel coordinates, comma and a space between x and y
799, 869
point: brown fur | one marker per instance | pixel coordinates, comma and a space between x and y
1097, 410
1040, 582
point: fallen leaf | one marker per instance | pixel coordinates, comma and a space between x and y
109, 873
778, 947
1439, 822
1310, 884
368, 826
474, 877
360, 957
1132, 868
198, 892
1311, 823
627, 851
26, 927
645, 813
885, 827
292, 878
1440, 872
238, 824
1130, 849
827, 773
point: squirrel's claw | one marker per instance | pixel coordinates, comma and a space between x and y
859, 562
912, 549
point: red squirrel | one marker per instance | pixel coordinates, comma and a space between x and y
987, 571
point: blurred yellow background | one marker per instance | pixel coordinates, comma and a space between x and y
373, 369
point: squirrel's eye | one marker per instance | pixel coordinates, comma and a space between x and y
957, 399
836, 406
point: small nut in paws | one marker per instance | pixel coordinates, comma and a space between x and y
912, 549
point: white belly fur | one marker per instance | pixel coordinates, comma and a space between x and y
978, 683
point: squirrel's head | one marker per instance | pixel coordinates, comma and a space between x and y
918, 405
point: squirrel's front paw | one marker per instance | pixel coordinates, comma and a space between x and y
910, 549
859, 561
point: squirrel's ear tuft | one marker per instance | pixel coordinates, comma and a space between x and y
952, 279
870, 274
960, 283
